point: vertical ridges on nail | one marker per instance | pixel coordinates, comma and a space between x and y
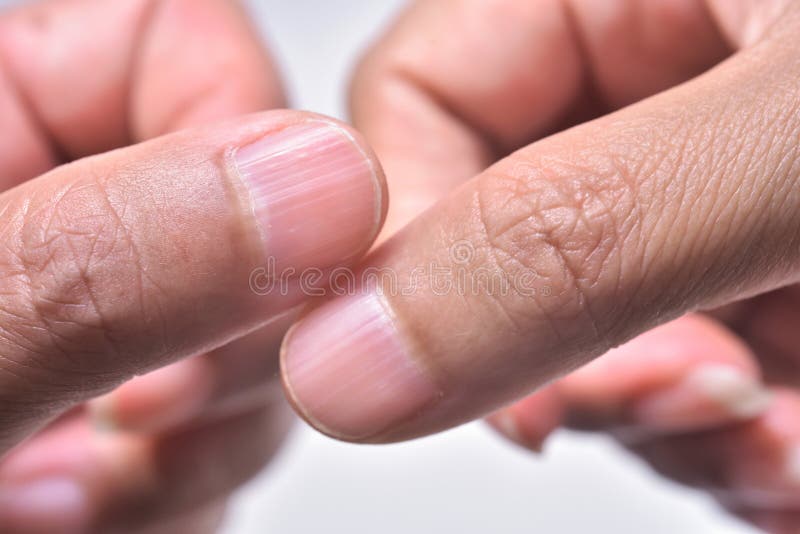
314, 193
350, 372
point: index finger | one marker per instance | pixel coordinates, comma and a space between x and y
121, 263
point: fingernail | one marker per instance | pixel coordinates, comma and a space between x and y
101, 413
348, 371
315, 193
712, 394
48, 505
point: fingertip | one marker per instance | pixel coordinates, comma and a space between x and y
317, 192
531, 421
348, 372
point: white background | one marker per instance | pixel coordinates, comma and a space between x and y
466, 481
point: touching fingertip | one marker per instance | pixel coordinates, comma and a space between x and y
316, 193
348, 371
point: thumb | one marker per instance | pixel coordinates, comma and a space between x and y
566, 248
120, 263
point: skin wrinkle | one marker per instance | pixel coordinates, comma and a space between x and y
764, 191
35, 362
615, 239
561, 252
712, 188
48, 308
633, 237
93, 303
682, 152
83, 241
709, 216
594, 191
141, 273
492, 252
661, 167
20, 271
556, 238
490, 183
582, 279
761, 194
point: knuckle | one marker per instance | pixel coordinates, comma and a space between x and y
567, 227
72, 266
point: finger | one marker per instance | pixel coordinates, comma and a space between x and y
689, 374
79, 480
122, 263
752, 466
438, 106
79, 77
557, 253
236, 377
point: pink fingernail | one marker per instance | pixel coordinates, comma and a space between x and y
315, 194
349, 372
711, 394
48, 505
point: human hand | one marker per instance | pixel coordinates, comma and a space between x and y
120, 263
688, 397
682, 201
